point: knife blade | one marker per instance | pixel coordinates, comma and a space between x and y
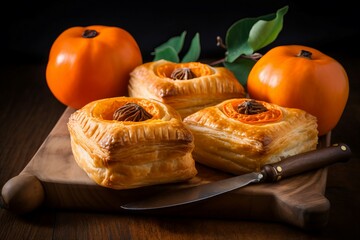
287, 167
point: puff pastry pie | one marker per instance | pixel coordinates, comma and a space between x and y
241, 135
127, 142
187, 87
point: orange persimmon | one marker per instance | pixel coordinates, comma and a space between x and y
301, 77
91, 63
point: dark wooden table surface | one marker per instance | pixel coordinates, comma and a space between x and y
29, 112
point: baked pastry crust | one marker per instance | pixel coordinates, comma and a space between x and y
128, 154
210, 85
239, 143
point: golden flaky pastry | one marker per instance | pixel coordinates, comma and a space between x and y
187, 87
126, 142
241, 135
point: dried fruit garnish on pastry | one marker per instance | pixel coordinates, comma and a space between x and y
188, 87
241, 135
126, 142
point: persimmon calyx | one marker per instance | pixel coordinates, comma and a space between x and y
90, 33
305, 54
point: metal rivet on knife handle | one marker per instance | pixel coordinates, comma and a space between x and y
305, 162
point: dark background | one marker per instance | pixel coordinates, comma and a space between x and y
29, 28
29, 111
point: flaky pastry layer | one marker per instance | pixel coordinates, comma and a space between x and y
186, 96
228, 144
127, 154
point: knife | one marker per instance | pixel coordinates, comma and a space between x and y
287, 167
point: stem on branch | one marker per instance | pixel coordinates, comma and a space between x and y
220, 43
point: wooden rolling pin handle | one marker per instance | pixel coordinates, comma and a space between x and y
22, 194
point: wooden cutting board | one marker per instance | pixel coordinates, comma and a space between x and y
52, 179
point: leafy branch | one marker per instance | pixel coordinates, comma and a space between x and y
243, 39
171, 49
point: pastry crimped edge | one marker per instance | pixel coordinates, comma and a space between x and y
235, 147
186, 96
125, 154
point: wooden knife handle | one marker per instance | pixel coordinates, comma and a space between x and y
305, 162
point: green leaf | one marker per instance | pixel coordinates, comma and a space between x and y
265, 32
251, 34
241, 68
237, 39
176, 43
193, 53
170, 49
167, 53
